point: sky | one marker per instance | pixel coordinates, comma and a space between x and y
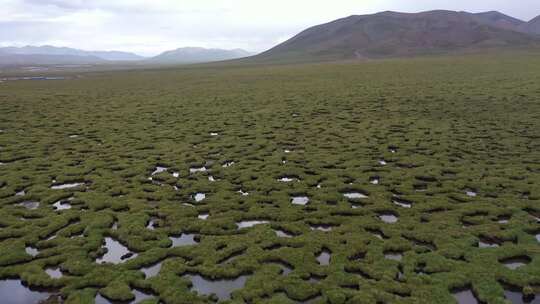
149, 27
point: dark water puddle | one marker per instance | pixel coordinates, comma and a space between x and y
152, 223
199, 197
14, 292
401, 202
420, 187
63, 204
30, 205
197, 169
183, 240
139, 297
515, 296
228, 164
116, 252
31, 251
378, 234
488, 243
504, 219
221, 288
248, 224
465, 296
66, 186
375, 180
151, 271
283, 234
54, 273
300, 200
516, 262
388, 218
321, 227
159, 169
324, 257
203, 216
20, 193
393, 255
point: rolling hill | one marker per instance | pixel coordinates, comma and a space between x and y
197, 55
532, 27
394, 34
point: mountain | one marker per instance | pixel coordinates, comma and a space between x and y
7, 59
64, 51
393, 34
197, 55
500, 20
532, 27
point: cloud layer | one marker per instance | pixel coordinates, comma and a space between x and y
149, 27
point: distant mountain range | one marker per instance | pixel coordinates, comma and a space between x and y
393, 34
64, 51
382, 35
50, 55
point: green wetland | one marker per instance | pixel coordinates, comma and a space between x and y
395, 181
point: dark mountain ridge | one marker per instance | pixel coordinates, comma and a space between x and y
395, 34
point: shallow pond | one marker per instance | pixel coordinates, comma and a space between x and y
324, 257
388, 218
248, 224
63, 204
465, 297
221, 288
151, 271
66, 186
197, 169
300, 200
116, 252
54, 273
31, 251
392, 255
516, 262
139, 297
199, 197
283, 234
183, 240
14, 292
30, 205
354, 195
515, 296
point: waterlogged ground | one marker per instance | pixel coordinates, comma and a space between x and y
379, 182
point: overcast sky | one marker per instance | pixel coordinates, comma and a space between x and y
149, 27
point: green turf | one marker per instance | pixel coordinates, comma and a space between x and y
457, 124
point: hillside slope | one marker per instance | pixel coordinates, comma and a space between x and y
197, 55
393, 34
